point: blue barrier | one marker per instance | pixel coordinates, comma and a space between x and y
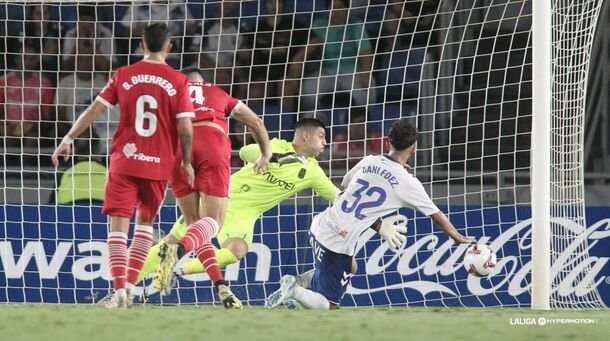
58, 255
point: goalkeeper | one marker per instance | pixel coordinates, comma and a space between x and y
293, 168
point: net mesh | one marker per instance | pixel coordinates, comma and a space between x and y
460, 70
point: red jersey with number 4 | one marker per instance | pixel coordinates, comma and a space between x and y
211, 103
151, 97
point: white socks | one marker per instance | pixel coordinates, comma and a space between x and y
130, 289
310, 299
304, 279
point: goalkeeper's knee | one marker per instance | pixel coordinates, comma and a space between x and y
178, 229
224, 257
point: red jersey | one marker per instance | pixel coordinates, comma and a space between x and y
151, 97
211, 103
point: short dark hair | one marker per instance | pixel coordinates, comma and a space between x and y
155, 36
309, 123
192, 69
402, 134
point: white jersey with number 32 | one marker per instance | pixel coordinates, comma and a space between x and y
374, 188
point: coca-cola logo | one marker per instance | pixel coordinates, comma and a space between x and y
574, 270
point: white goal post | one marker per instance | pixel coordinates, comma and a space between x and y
542, 15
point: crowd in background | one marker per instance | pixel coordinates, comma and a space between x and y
279, 59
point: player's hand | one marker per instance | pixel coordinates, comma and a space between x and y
190, 172
64, 150
459, 239
262, 164
393, 229
287, 158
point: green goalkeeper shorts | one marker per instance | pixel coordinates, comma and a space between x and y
235, 226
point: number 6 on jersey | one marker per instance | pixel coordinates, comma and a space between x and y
142, 114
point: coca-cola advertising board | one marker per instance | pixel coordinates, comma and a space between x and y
58, 254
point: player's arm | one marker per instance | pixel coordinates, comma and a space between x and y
83, 122
324, 187
415, 196
183, 109
441, 220
185, 134
258, 130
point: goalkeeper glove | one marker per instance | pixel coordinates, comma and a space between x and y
286, 158
392, 230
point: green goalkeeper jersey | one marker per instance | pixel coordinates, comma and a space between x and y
254, 194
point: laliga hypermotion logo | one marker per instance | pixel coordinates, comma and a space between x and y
574, 270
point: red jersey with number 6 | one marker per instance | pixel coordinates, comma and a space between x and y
151, 97
212, 103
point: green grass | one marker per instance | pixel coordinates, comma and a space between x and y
88, 323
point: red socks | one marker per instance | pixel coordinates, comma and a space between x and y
117, 258
138, 251
199, 233
198, 238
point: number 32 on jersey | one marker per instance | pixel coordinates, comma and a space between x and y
366, 196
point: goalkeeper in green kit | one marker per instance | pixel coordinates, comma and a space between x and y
293, 168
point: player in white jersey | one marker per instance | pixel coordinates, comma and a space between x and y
376, 187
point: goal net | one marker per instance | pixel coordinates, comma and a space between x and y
460, 70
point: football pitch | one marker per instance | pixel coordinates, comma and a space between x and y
84, 322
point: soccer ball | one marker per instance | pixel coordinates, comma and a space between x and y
480, 260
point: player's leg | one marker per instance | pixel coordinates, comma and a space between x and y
212, 177
212, 169
303, 280
213, 183
117, 260
121, 194
198, 238
329, 282
189, 207
186, 196
213, 174
188, 200
332, 274
168, 253
173, 237
235, 238
150, 197
290, 292
214, 206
